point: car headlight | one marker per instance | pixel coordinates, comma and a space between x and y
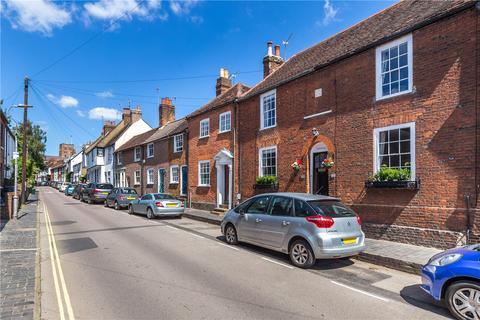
445, 260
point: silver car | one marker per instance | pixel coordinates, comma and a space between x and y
157, 204
305, 226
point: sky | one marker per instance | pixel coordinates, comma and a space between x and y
87, 60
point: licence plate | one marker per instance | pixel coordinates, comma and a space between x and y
104, 192
131, 198
171, 204
350, 241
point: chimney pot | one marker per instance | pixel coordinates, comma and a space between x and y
271, 62
223, 82
269, 48
166, 112
277, 50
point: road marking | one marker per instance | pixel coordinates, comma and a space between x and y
279, 263
54, 257
171, 227
227, 246
360, 291
20, 249
196, 235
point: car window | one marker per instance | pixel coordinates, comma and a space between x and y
302, 209
147, 197
160, 196
281, 206
333, 209
258, 205
128, 191
104, 186
242, 206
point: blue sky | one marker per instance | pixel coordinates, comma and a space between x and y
156, 48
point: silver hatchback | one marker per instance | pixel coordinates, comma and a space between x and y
305, 226
157, 204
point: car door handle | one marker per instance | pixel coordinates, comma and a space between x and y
285, 223
258, 220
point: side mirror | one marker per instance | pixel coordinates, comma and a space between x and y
241, 212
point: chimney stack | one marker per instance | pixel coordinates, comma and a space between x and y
108, 126
271, 62
126, 114
136, 114
166, 112
223, 82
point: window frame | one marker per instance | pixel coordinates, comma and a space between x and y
206, 120
135, 154
119, 160
135, 178
150, 170
378, 66
260, 152
224, 115
171, 174
376, 150
148, 150
200, 162
175, 140
262, 116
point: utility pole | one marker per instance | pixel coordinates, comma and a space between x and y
24, 142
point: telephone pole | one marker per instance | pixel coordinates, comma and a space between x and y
24, 142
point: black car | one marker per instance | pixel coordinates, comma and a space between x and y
96, 192
77, 191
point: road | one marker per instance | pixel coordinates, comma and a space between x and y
112, 265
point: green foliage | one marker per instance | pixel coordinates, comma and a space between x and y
267, 180
391, 174
83, 178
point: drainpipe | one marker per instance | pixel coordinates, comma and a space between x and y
187, 155
236, 155
469, 218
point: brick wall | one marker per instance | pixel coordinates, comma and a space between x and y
443, 107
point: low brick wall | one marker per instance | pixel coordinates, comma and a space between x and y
203, 205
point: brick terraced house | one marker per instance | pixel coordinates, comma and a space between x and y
155, 161
397, 90
212, 147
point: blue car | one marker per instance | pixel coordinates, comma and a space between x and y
454, 276
69, 189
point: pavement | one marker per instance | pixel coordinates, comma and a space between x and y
18, 256
99, 263
404, 257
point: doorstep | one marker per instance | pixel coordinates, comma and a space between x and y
395, 255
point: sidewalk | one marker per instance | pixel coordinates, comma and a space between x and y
395, 255
18, 255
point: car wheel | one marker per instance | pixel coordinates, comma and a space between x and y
301, 254
89, 201
463, 300
149, 213
130, 209
115, 206
231, 234
105, 204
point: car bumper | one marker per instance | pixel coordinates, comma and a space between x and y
329, 247
124, 203
99, 197
331, 253
430, 283
169, 211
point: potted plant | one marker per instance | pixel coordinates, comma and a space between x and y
327, 163
297, 164
266, 182
397, 178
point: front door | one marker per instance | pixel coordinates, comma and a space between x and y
184, 180
320, 174
161, 180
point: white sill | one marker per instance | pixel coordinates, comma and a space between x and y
173, 182
148, 157
178, 151
203, 137
317, 114
393, 95
265, 128
203, 185
224, 131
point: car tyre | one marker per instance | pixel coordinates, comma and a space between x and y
105, 204
301, 254
231, 235
130, 209
89, 201
115, 206
456, 299
149, 213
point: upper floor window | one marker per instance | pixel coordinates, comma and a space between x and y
395, 147
137, 154
109, 155
150, 150
268, 161
100, 152
204, 128
268, 109
225, 121
394, 66
119, 158
178, 143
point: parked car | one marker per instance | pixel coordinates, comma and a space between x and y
305, 226
77, 191
69, 189
62, 186
454, 276
157, 204
96, 192
120, 197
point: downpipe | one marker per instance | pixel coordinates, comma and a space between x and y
469, 218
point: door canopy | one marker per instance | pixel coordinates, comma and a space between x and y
224, 157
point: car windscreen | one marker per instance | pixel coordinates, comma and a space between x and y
163, 197
128, 191
332, 209
104, 186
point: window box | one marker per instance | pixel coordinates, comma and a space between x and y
270, 186
412, 185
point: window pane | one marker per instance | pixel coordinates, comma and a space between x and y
394, 63
394, 75
405, 133
394, 87
385, 55
393, 52
405, 160
404, 73
405, 146
393, 147
403, 60
385, 67
393, 135
383, 136
404, 85
386, 78
403, 48
384, 161
383, 148
386, 90
394, 161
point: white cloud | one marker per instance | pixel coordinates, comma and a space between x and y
81, 113
63, 101
104, 94
182, 7
101, 113
330, 13
196, 19
36, 15
111, 10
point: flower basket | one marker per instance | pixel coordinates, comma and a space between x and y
412, 185
327, 163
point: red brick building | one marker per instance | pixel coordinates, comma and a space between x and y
212, 145
155, 161
399, 89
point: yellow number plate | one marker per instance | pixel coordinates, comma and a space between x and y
350, 241
131, 198
171, 204
104, 192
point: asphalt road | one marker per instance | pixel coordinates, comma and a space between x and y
98, 263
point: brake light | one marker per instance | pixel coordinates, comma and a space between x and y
96, 191
181, 204
159, 204
321, 221
358, 220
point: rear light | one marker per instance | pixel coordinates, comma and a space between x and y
96, 191
321, 221
358, 220
181, 204
159, 204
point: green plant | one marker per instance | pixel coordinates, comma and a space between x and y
266, 180
391, 174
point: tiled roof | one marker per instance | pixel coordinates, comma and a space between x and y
226, 97
136, 140
104, 141
401, 18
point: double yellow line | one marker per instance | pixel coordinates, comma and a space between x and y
58, 277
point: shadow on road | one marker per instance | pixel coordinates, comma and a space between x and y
417, 297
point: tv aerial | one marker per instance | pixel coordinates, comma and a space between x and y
285, 45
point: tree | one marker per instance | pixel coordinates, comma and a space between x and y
36, 140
